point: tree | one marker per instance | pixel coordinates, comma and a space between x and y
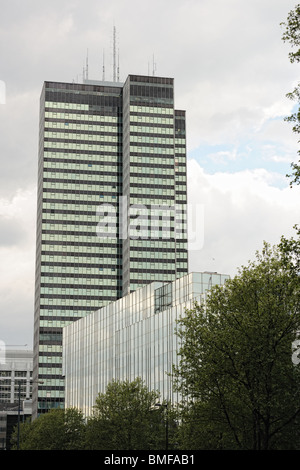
56, 430
292, 35
290, 252
126, 418
235, 369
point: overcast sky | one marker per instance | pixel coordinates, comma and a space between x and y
232, 74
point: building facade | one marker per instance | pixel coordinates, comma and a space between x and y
129, 338
15, 391
111, 213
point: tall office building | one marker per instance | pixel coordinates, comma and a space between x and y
111, 213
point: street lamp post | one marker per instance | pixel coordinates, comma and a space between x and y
167, 423
19, 410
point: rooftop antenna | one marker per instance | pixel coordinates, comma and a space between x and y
114, 54
118, 69
154, 66
87, 65
103, 69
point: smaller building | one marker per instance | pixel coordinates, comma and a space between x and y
15, 391
131, 337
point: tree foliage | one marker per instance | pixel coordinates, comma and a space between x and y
126, 418
236, 361
292, 35
56, 430
290, 252
238, 379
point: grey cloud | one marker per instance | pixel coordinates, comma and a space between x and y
11, 233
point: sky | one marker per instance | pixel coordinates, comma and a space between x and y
232, 74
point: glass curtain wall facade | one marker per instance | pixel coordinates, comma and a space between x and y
154, 183
129, 338
80, 168
104, 148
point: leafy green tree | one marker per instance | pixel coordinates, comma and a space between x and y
56, 430
290, 252
292, 35
236, 370
126, 418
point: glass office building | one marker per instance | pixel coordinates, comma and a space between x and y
129, 338
111, 213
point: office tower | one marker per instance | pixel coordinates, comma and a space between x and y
111, 206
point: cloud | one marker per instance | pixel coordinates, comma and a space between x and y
17, 251
241, 210
231, 72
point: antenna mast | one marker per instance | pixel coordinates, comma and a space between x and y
154, 66
114, 54
87, 64
103, 69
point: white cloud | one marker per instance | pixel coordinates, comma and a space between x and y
231, 74
17, 253
241, 210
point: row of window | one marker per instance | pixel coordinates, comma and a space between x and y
160, 119
92, 147
133, 108
68, 283
78, 293
85, 238
59, 136
94, 260
83, 118
152, 139
72, 304
142, 118
49, 348
57, 269
151, 110
107, 213
137, 148
63, 233
168, 131
104, 132
136, 244
156, 177
51, 371
67, 127
61, 314
66, 105
72, 192
15, 373
82, 250
100, 258
64, 159
60, 156
68, 192
81, 147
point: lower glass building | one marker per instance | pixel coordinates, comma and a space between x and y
129, 338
